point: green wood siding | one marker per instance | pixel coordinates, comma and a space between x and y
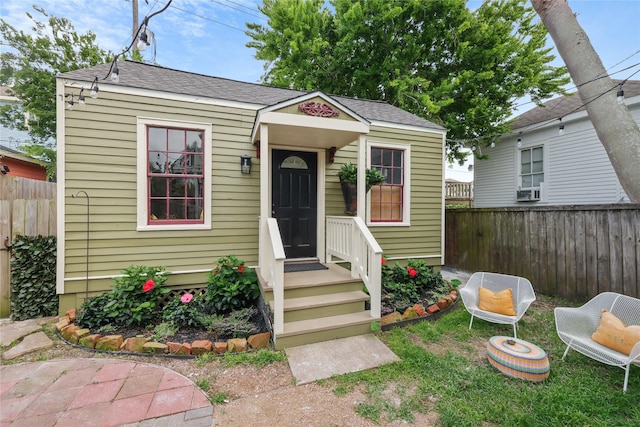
101, 159
100, 154
424, 236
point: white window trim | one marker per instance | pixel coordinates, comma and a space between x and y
142, 187
544, 165
406, 190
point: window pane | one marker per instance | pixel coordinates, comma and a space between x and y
194, 209
177, 209
194, 164
157, 162
194, 187
158, 187
387, 158
537, 154
526, 181
194, 141
376, 156
177, 187
525, 156
158, 209
526, 168
157, 139
397, 158
397, 176
176, 140
537, 167
175, 163
537, 179
294, 162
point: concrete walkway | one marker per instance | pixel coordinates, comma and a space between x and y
99, 392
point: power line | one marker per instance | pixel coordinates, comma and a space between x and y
209, 19
239, 10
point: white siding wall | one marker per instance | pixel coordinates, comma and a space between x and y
576, 166
495, 177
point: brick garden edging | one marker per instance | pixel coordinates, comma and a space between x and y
82, 337
418, 313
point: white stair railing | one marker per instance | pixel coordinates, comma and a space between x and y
349, 239
273, 272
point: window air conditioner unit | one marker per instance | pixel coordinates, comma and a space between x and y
530, 195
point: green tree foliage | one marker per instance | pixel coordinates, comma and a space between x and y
30, 66
462, 69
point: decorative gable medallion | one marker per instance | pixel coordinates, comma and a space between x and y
317, 109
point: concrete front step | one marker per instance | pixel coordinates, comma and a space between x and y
313, 307
324, 329
334, 279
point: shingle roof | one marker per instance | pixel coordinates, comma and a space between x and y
156, 78
563, 106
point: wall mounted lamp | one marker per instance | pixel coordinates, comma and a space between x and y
561, 127
245, 164
4, 170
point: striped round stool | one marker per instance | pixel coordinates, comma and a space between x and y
518, 358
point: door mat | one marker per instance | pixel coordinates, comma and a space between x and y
307, 266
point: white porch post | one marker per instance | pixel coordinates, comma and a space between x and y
265, 203
362, 184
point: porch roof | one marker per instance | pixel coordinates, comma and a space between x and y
162, 79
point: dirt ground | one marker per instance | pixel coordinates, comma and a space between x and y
264, 396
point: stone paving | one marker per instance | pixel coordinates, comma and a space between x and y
99, 392
91, 392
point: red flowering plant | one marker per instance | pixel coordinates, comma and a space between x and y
405, 285
133, 300
231, 286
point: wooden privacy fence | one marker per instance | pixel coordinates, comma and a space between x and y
28, 208
574, 252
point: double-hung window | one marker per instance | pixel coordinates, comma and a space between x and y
531, 168
389, 202
174, 180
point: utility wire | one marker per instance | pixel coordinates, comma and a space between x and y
239, 10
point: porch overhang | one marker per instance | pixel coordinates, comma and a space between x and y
313, 132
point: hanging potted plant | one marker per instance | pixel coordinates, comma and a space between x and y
348, 179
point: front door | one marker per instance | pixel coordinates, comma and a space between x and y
294, 196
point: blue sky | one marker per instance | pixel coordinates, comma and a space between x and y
207, 36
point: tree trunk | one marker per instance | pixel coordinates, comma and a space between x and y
615, 127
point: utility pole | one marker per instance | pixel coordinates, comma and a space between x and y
134, 27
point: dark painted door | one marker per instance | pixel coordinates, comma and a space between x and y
294, 192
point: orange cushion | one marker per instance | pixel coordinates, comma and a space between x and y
613, 333
499, 302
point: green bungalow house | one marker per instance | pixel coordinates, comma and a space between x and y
166, 167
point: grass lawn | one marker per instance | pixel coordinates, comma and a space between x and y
444, 369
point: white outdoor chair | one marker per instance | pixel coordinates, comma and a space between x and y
522, 292
576, 325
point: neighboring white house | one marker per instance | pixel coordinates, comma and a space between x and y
537, 164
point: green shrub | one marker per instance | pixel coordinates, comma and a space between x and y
92, 314
135, 296
33, 277
231, 286
133, 300
403, 286
183, 311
